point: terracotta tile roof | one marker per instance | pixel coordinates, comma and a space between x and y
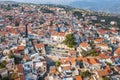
54, 33
12, 30
102, 45
41, 45
99, 40
102, 73
72, 60
20, 48
26, 58
115, 57
88, 60
20, 68
107, 68
66, 68
102, 31
103, 56
22, 77
78, 77
117, 51
93, 61
84, 44
72, 52
52, 70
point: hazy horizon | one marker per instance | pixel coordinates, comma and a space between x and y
53, 1
45, 1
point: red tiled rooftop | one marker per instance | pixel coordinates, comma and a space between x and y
102, 73
20, 68
117, 51
78, 77
20, 48
84, 44
41, 45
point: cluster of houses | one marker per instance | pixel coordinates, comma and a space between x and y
23, 53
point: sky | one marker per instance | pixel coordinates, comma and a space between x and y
44, 1
65, 2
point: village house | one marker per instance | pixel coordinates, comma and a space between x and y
3, 73
57, 36
84, 46
103, 47
117, 52
98, 40
101, 73
40, 47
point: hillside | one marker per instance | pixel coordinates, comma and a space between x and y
109, 6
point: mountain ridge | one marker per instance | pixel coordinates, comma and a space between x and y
109, 6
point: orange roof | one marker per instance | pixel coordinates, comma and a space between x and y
41, 45
102, 45
117, 51
20, 48
102, 73
92, 61
20, 68
115, 57
72, 60
103, 56
107, 68
88, 60
84, 44
99, 40
54, 33
102, 31
22, 77
26, 58
78, 77
52, 70
66, 68
72, 52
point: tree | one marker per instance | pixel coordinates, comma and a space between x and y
9, 17
108, 63
57, 63
81, 64
17, 23
70, 41
13, 76
86, 74
106, 78
17, 60
93, 52
84, 53
8, 7
3, 64
92, 44
77, 14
